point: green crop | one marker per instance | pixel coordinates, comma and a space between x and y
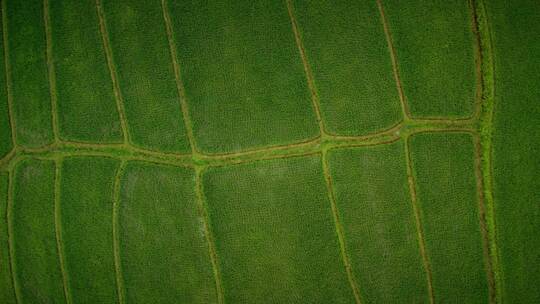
292, 151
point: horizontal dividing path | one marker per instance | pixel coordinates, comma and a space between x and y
128, 152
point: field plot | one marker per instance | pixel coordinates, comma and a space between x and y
36, 262
346, 48
274, 233
86, 104
7, 293
86, 195
24, 31
243, 75
443, 166
372, 195
516, 146
6, 143
233, 151
435, 49
163, 252
145, 73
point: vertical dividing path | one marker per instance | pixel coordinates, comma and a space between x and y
417, 218
86, 188
447, 197
339, 228
50, 70
244, 81
26, 68
391, 49
7, 142
515, 145
113, 74
78, 64
273, 228
37, 269
347, 65
139, 45
435, 52
120, 289
7, 292
162, 241
203, 213
370, 188
178, 78
58, 230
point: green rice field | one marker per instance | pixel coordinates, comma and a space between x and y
291, 151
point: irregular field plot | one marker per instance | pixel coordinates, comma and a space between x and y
443, 167
516, 146
434, 44
36, 261
86, 204
86, 104
243, 75
348, 54
163, 252
274, 233
145, 71
27, 62
6, 142
372, 194
7, 293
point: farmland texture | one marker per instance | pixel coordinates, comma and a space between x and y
258, 151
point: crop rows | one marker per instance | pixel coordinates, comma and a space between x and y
182, 178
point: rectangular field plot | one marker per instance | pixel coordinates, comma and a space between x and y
7, 293
516, 148
274, 233
146, 76
86, 200
243, 75
87, 108
37, 265
435, 49
163, 252
372, 196
347, 50
27, 65
6, 143
443, 168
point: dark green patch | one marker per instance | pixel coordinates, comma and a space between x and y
244, 80
86, 104
145, 73
375, 207
163, 251
28, 66
443, 167
434, 44
37, 264
274, 233
348, 54
516, 147
7, 292
86, 196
